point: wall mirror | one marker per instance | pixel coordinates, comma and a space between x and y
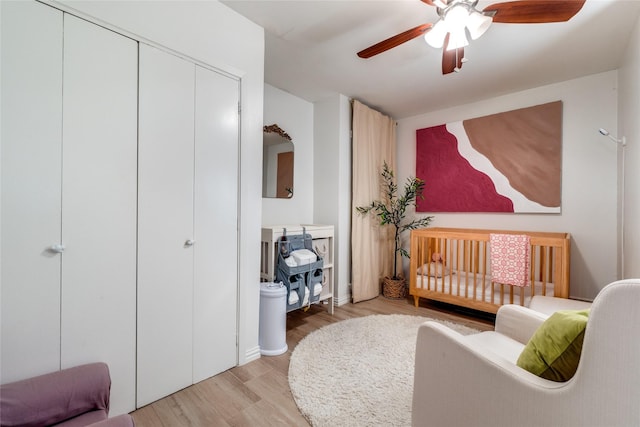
277, 163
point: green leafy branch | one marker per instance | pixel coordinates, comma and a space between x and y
392, 209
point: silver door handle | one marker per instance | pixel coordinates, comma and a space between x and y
189, 243
57, 248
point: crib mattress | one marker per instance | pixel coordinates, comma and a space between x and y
463, 285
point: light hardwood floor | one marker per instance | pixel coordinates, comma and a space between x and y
257, 394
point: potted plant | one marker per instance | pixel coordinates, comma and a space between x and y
392, 210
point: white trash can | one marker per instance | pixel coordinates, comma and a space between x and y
272, 336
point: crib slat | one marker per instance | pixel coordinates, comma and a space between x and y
543, 263
458, 263
484, 270
538, 274
451, 267
550, 278
441, 245
532, 271
422, 253
467, 263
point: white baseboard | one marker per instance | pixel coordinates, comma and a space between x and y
252, 354
343, 299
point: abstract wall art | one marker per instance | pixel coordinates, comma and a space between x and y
505, 162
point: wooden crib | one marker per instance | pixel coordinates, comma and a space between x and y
462, 275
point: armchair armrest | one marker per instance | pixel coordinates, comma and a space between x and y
517, 322
446, 362
52, 398
549, 305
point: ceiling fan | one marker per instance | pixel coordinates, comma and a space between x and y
460, 17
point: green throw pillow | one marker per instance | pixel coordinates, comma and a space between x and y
553, 352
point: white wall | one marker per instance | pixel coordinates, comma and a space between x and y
210, 32
589, 174
295, 116
629, 126
332, 183
322, 175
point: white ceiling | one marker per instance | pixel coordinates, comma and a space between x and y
311, 46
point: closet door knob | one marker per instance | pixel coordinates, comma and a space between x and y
57, 248
189, 243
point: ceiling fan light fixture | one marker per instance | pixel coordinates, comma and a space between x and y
435, 37
453, 20
478, 23
456, 17
457, 40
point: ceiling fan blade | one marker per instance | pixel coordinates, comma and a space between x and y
534, 11
394, 41
451, 59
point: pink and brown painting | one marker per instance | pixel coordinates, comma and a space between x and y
505, 162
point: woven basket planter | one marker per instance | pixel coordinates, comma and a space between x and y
393, 289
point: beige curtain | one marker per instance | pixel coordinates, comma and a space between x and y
374, 142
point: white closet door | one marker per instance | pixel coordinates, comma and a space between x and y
31, 167
216, 228
165, 224
99, 197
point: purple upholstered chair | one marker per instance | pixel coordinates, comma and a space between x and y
71, 397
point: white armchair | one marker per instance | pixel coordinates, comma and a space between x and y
474, 380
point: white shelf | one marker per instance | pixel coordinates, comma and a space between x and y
322, 236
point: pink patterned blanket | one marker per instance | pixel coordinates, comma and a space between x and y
510, 258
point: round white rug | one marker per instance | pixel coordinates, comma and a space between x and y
358, 372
